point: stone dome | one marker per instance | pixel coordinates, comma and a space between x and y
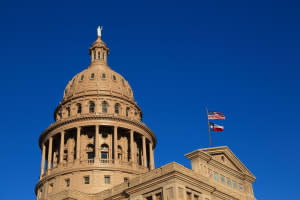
98, 79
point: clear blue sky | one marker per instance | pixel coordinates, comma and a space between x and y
237, 57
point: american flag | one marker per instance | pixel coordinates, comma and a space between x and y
211, 115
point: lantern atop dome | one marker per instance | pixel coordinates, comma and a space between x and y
99, 51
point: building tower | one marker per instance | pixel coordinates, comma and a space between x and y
97, 140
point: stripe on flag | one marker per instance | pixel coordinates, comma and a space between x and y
211, 115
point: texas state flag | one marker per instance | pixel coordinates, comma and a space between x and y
215, 127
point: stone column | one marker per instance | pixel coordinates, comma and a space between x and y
49, 153
115, 143
43, 160
131, 146
78, 144
151, 152
144, 151
62, 145
97, 144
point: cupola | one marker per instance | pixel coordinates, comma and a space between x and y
99, 51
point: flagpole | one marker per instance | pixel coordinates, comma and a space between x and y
210, 143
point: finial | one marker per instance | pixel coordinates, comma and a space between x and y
99, 29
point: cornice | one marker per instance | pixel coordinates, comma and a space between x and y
88, 117
198, 154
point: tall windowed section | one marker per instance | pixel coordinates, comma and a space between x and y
98, 55
79, 108
104, 107
117, 108
127, 111
90, 151
104, 152
92, 107
120, 153
68, 111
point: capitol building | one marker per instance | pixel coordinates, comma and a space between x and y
98, 148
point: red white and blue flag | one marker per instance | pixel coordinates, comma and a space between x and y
211, 115
215, 127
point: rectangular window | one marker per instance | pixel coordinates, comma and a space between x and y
86, 180
241, 187
107, 179
67, 182
90, 155
216, 176
104, 155
228, 182
222, 179
234, 185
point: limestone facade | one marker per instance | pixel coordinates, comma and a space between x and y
98, 148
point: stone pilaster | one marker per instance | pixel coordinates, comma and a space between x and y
115, 143
151, 152
97, 144
49, 153
43, 160
62, 145
131, 146
78, 144
144, 151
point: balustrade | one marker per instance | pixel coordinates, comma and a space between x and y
130, 159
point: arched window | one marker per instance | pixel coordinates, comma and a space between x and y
127, 111
69, 111
104, 152
104, 107
79, 108
92, 75
92, 107
82, 77
95, 56
114, 77
117, 108
103, 55
98, 55
103, 75
120, 153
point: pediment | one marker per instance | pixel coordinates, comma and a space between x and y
225, 156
